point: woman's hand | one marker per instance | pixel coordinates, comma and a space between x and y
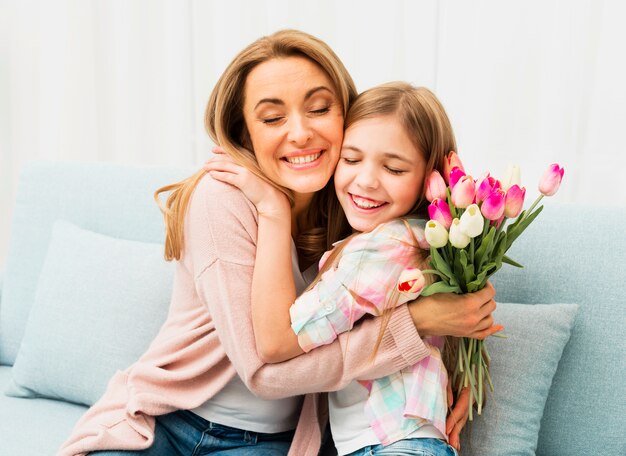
449, 314
268, 199
458, 416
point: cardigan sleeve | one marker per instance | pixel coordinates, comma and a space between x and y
220, 245
364, 281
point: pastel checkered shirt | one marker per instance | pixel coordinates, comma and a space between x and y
365, 281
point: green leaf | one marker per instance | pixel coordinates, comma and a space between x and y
507, 260
483, 252
435, 272
500, 248
439, 287
518, 228
440, 264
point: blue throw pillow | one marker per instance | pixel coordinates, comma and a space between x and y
522, 368
99, 303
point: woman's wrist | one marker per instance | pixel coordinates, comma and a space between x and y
419, 311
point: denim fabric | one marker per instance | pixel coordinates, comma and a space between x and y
409, 447
184, 433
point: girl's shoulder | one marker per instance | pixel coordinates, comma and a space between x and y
403, 230
400, 228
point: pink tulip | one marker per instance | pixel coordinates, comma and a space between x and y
487, 185
514, 201
493, 206
440, 211
450, 162
463, 192
455, 175
435, 187
551, 180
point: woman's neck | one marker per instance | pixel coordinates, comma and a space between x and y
302, 202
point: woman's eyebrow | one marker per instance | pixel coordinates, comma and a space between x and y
314, 90
309, 94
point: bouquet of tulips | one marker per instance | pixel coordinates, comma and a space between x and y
472, 225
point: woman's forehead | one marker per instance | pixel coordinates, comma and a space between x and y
286, 77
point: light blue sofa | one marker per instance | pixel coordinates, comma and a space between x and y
572, 254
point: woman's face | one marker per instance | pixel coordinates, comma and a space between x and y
295, 121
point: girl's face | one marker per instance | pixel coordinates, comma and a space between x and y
380, 174
295, 122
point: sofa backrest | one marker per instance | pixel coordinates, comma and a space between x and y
574, 253
114, 200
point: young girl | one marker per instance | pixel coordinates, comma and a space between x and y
395, 136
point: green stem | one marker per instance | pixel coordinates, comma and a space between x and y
529, 211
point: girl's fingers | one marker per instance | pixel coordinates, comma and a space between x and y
457, 419
226, 177
222, 165
218, 150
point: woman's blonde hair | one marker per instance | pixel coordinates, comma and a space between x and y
426, 123
225, 124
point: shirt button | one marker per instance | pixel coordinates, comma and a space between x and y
329, 307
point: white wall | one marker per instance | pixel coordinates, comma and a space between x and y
530, 82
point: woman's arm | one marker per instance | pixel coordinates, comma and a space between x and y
273, 287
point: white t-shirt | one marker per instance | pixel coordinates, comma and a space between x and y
237, 407
349, 426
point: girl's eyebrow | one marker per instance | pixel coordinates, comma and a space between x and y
398, 157
309, 94
385, 154
349, 147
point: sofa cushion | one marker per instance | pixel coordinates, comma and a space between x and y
522, 368
33, 426
99, 303
114, 200
574, 253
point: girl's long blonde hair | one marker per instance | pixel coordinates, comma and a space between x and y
225, 124
425, 121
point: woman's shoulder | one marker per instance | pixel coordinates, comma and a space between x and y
219, 195
218, 206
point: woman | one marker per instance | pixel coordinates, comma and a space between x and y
278, 109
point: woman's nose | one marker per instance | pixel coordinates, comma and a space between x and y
300, 131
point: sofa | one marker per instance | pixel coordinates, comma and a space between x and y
85, 288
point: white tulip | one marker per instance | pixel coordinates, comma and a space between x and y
458, 239
436, 234
512, 176
472, 221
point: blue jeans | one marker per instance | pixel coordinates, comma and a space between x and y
409, 447
186, 434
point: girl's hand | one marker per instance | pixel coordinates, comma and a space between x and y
449, 314
268, 200
458, 416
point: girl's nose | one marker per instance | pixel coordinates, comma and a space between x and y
367, 178
300, 131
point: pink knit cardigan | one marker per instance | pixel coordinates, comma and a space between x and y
207, 339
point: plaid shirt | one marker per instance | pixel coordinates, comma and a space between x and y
365, 281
